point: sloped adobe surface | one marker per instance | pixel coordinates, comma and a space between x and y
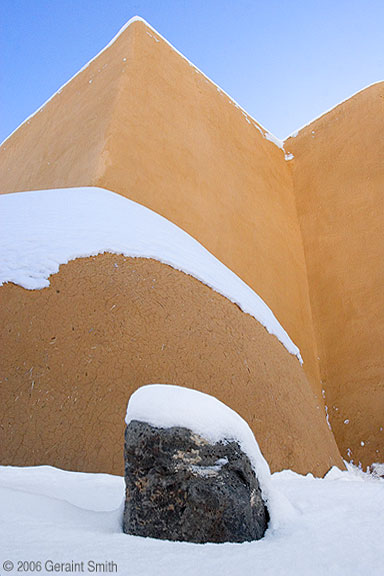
142, 122
109, 324
306, 235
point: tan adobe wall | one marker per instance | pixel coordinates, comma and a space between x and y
142, 122
109, 324
338, 175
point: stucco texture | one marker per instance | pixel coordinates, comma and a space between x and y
338, 174
142, 122
307, 235
109, 324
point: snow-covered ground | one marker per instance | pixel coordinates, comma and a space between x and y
45, 228
53, 516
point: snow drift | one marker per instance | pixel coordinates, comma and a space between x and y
45, 228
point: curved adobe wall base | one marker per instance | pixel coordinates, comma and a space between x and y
109, 324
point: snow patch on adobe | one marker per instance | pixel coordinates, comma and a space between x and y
276, 141
45, 228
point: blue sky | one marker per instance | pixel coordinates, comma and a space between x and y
284, 62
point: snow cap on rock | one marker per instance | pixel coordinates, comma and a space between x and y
166, 406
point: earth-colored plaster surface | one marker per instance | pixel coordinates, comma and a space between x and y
338, 174
109, 324
142, 122
307, 235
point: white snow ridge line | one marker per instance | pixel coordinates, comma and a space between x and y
45, 228
266, 134
296, 132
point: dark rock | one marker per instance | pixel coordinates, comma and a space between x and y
180, 487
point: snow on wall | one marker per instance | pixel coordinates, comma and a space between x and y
45, 228
296, 132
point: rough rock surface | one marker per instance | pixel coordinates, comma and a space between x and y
181, 487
